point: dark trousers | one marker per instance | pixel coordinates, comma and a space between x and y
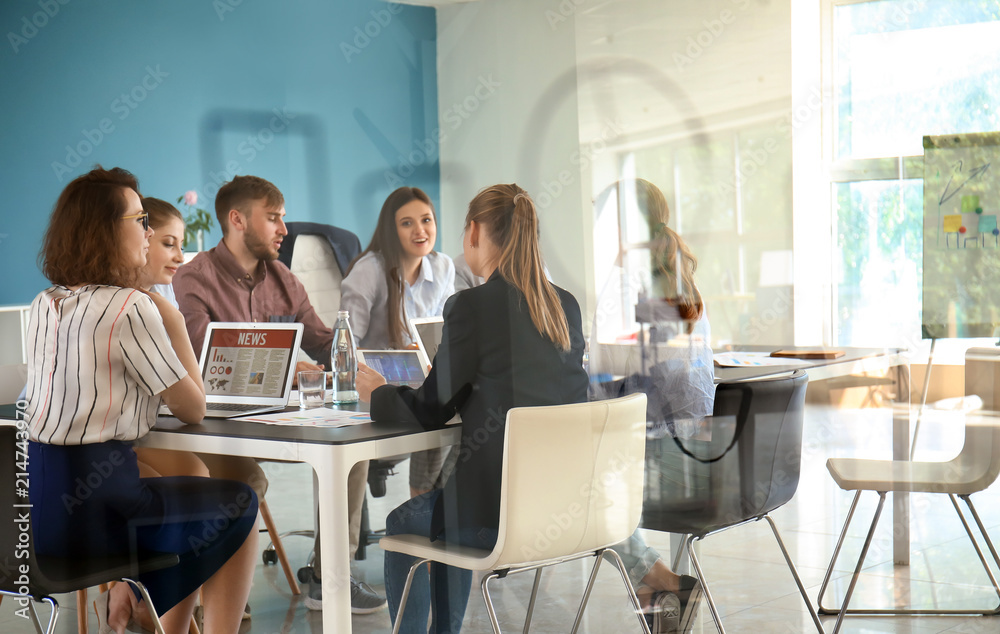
89, 501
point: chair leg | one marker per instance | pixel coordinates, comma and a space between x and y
598, 557
620, 565
489, 602
979, 522
861, 560
53, 616
158, 627
81, 612
844, 611
676, 563
531, 601
704, 586
975, 542
279, 549
833, 557
406, 593
795, 574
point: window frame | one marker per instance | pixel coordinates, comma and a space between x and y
815, 321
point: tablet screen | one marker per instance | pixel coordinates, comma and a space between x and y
399, 367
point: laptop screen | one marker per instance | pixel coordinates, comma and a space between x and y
399, 367
427, 333
249, 360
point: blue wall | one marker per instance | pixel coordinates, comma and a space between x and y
325, 99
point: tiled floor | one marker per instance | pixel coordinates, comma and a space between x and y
746, 572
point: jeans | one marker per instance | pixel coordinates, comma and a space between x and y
637, 557
446, 590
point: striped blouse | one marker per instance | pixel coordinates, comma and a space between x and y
98, 359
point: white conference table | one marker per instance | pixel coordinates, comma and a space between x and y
854, 362
331, 452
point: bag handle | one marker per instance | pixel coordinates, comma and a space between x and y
741, 420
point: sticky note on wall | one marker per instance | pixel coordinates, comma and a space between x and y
987, 223
952, 223
970, 204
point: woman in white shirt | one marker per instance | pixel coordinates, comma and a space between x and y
102, 357
399, 276
166, 253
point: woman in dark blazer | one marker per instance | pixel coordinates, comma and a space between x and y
515, 341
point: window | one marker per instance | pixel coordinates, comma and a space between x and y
901, 69
728, 194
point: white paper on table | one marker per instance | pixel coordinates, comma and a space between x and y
317, 417
753, 359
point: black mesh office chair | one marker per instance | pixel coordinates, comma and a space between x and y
746, 467
47, 576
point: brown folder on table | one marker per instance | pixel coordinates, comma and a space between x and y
809, 353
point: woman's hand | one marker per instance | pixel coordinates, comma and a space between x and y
366, 382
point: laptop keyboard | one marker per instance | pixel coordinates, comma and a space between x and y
233, 407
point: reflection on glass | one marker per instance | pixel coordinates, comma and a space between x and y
879, 258
908, 69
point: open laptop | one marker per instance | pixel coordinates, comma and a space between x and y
399, 367
248, 368
426, 333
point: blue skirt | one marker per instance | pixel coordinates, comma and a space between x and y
89, 501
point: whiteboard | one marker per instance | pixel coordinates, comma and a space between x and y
961, 287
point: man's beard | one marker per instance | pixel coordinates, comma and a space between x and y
259, 248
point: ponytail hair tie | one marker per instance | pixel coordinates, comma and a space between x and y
518, 197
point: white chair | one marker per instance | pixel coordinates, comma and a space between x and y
975, 468
314, 264
13, 378
598, 448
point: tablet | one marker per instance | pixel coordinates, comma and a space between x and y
399, 367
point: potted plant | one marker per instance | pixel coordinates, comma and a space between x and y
196, 223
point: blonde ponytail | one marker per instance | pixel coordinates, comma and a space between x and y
508, 215
673, 262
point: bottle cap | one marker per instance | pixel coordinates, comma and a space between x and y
343, 313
